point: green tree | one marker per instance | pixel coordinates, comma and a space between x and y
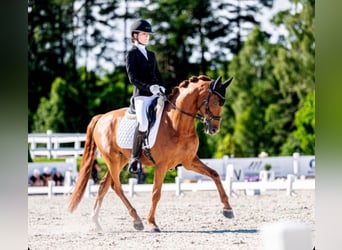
51, 51
65, 110
251, 91
111, 92
187, 32
303, 138
194, 37
227, 146
173, 22
62, 112
95, 23
234, 24
62, 36
295, 67
272, 81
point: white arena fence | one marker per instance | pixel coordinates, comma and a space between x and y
253, 168
56, 145
235, 173
289, 185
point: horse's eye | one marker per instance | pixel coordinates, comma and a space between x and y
215, 103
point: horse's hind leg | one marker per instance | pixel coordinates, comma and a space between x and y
115, 169
103, 189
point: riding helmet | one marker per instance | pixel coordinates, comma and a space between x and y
141, 25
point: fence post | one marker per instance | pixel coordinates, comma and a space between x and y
67, 178
229, 171
229, 185
178, 186
67, 181
225, 159
49, 143
72, 169
33, 146
132, 182
77, 146
51, 185
290, 180
296, 167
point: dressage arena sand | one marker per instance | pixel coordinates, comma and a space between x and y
191, 221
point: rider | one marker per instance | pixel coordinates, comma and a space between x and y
143, 73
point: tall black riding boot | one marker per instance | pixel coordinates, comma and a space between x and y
136, 152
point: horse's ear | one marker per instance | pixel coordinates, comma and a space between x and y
226, 83
215, 83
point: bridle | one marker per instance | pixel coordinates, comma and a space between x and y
208, 116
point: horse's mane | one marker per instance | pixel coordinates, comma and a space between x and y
185, 84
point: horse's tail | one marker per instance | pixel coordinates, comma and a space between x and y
89, 155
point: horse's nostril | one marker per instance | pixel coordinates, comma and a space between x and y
216, 130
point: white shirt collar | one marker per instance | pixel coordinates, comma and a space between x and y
142, 49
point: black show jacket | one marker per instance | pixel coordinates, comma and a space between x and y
142, 73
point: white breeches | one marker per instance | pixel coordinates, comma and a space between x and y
141, 106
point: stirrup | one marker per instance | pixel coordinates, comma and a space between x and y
133, 166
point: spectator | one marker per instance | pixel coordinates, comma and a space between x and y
36, 179
58, 178
96, 169
47, 176
53, 171
263, 154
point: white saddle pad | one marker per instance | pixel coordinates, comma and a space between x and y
128, 124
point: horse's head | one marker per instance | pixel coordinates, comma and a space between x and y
211, 106
203, 96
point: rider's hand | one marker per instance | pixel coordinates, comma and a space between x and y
155, 89
162, 89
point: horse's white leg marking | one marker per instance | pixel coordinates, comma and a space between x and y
95, 216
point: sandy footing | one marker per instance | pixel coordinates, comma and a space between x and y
191, 221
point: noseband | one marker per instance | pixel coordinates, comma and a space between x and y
208, 116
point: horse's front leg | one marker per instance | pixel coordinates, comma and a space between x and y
199, 167
159, 175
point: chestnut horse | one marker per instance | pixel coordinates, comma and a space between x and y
176, 143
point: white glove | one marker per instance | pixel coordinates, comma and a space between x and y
162, 89
155, 89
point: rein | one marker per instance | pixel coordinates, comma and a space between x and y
201, 118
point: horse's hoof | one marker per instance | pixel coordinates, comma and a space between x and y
99, 229
228, 213
138, 226
155, 230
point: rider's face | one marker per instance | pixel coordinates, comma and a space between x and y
143, 37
